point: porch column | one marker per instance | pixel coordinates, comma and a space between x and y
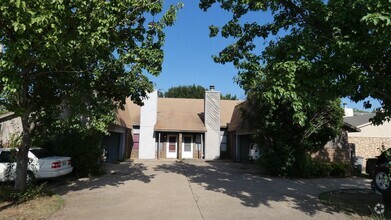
180, 146
202, 147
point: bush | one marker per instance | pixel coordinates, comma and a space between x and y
329, 169
296, 164
8, 193
84, 149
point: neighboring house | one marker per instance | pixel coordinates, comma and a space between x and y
10, 128
243, 135
182, 128
371, 139
117, 144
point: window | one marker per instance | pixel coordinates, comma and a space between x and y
136, 141
223, 141
7, 156
41, 153
187, 143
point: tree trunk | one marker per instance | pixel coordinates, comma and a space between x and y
22, 158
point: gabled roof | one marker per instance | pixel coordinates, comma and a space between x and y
7, 116
183, 115
238, 124
122, 117
134, 111
226, 111
180, 115
187, 115
359, 120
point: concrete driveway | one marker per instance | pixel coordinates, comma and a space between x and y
197, 190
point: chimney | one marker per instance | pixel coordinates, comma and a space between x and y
148, 118
212, 124
348, 112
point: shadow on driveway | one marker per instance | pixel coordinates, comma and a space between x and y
116, 175
238, 181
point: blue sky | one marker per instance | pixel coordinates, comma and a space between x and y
188, 52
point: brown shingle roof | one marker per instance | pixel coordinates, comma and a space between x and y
226, 111
180, 115
238, 124
134, 111
123, 117
183, 115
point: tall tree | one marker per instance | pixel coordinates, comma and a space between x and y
316, 52
76, 60
341, 48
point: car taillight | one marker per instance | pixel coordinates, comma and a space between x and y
56, 164
69, 162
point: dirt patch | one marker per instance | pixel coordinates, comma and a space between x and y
40, 208
360, 203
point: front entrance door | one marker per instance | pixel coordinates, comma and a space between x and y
172, 146
187, 146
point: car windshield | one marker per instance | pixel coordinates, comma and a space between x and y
41, 153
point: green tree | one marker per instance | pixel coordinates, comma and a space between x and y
316, 52
76, 61
229, 97
340, 48
191, 92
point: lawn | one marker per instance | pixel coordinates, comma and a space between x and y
357, 202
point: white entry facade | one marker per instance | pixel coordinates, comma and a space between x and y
172, 146
187, 146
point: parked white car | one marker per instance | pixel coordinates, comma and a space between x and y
42, 164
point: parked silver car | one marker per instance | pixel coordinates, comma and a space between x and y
42, 164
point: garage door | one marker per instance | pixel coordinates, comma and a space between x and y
112, 145
244, 147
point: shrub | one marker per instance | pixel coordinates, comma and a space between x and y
329, 169
340, 170
84, 149
8, 193
285, 164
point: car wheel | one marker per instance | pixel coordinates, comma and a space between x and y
382, 181
30, 177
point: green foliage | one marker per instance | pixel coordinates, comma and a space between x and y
310, 167
333, 48
83, 148
287, 139
191, 92
15, 139
73, 63
9, 194
228, 97
316, 53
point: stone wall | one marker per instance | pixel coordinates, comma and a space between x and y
339, 155
369, 147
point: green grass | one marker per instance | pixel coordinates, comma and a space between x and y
354, 201
36, 203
